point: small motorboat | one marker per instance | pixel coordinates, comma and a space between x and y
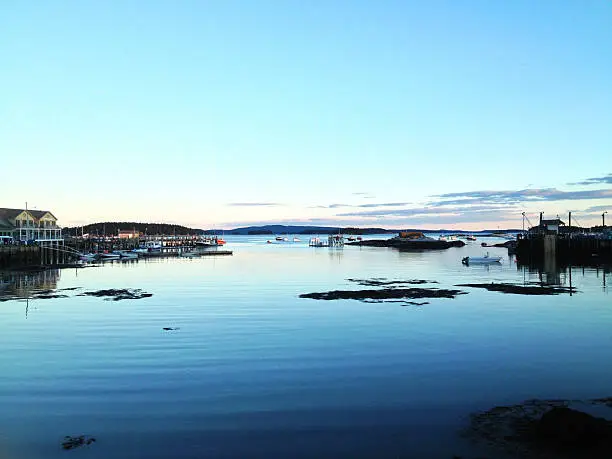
296, 239
268, 241
279, 238
109, 256
470, 237
88, 256
126, 254
351, 238
486, 260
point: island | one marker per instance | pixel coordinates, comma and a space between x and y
412, 241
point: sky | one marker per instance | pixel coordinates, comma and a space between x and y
428, 114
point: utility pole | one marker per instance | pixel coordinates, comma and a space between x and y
603, 219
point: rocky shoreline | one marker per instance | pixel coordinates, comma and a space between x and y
409, 244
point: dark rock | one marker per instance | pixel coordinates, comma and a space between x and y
409, 245
76, 442
383, 294
119, 294
381, 282
522, 289
563, 427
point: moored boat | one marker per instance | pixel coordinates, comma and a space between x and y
487, 259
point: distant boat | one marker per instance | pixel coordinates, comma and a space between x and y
486, 260
351, 238
109, 256
125, 254
470, 237
268, 241
88, 256
149, 247
296, 239
279, 238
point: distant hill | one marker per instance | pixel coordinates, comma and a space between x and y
290, 229
112, 229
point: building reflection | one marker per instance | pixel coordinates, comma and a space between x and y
18, 285
550, 272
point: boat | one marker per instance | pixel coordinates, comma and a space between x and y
470, 237
296, 239
317, 242
221, 241
207, 242
351, 238
268, 241
149, 247
359, 238
279, 238
486, 260
109, 256
126, 254
88, 256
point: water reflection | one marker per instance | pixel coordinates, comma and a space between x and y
16, 285
552, 273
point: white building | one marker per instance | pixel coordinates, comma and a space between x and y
29, 225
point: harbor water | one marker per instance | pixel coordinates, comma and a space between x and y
248, 369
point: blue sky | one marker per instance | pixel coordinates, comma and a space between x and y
391, 113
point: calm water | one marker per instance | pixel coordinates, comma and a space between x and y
255, 371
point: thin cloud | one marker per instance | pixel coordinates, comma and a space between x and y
429, 211
595, 180
254, 204
598, 209
517, 196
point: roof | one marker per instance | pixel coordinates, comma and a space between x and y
6, 215
554, 221
9, 214
38, 214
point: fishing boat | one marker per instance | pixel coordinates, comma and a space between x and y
486, 260
207, 242
149, 247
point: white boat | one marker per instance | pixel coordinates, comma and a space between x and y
109, 256
88, 256
149, 247
126, 254
470, 237
296, 239
486, 260
279, 238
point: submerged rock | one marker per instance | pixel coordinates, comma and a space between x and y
383, 294
76, 442
544, 429
522, 289
119, 294
383, 282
